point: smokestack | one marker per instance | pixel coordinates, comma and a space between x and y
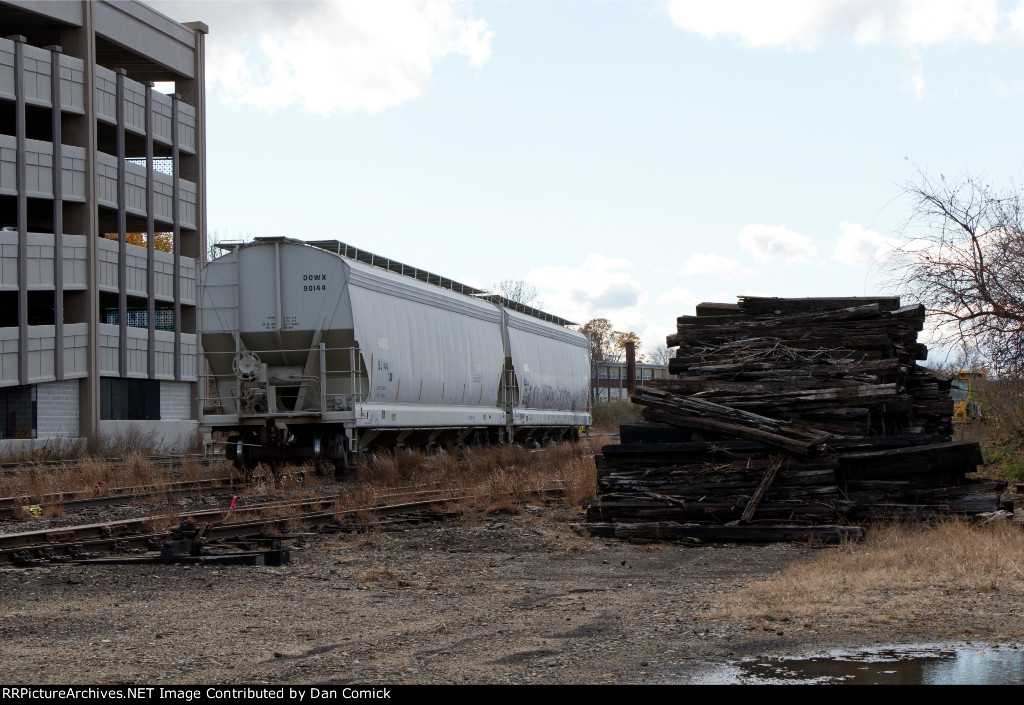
630, 367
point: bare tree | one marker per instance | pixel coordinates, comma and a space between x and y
519, 290
963, 258
659, 354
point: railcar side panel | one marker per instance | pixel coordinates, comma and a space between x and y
552, 365
423, 345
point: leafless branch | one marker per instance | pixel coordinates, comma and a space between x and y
963, 258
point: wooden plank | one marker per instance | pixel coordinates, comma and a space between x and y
800, 447
652, 433
775, 305
938, 460
710, 308
693, 448
766, 482
854, 313
719, 512
829, 533
693, 406
695, 484
856, 335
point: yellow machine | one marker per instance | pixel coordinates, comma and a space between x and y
963, 390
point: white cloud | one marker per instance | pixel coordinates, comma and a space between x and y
807, 24
766, 242
331, 55
915, 74
1007, 90
684, 299
858, 246
753, 23
470, 280
1017, 19
710, 265
595, 289
655, 333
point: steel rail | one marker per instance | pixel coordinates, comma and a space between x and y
86, 499
70, 543
15, 466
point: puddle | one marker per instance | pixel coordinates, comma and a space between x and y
927, 664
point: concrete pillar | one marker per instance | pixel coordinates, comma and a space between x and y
58, 214
20, 181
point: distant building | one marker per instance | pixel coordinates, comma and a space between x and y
98, 325
611, 379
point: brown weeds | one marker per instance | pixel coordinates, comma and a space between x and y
160, 523
897, 571
502, 477
51, 511
377, 575
191, 470
95, 476
494, 478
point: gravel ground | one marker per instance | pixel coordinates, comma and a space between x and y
497, 599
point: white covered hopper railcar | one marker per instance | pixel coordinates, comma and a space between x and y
320, 350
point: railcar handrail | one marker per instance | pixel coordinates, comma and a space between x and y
252, 393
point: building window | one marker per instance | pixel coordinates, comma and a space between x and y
139, 318
18, 409
129, 399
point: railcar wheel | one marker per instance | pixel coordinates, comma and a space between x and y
240, 452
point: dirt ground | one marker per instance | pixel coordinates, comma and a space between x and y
475, 599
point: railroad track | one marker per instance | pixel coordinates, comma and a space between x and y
172, 460
12, 507
71, 502
133, 536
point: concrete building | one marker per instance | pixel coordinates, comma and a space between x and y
102, 219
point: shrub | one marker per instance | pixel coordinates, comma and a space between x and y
609, 415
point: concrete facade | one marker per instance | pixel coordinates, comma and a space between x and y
102, 216
57, 409
176, 400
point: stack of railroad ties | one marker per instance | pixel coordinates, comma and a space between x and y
791, 419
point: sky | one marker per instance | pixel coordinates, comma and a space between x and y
629, 158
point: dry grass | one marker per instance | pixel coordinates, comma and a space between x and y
609, 415
377, 575
100, 476
899, 573
485, 479
502, 477
494, 478
295, 524
191, 470
49, 449
133, 440
162, 522
51, 511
